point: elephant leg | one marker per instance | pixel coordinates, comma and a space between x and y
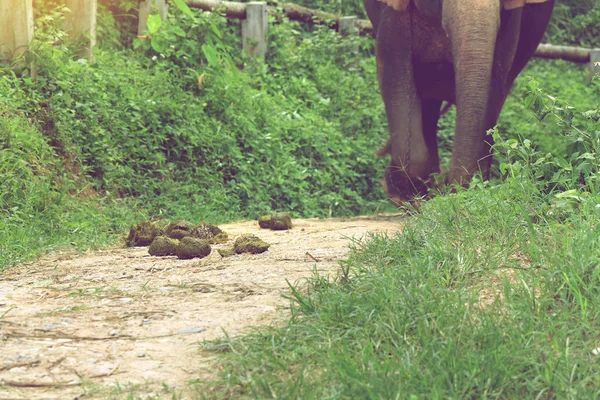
524, 27
534, 21
411, 160
431, 110
373, 9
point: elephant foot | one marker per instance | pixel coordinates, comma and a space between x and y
400, 187
403, 191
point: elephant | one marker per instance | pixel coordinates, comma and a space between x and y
465, 52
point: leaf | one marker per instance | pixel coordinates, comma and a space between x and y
564, 164
153, 23
216, 31
567, 193
529, 101
159, 43
210, 52
184, 8
178, 31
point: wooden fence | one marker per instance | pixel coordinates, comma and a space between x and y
16, 26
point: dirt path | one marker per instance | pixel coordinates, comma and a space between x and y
118, 321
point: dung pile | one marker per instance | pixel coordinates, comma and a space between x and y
163, 246
278, 221
186, 241
249, 243
191, 247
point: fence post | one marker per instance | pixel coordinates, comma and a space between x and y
254, 29
82, 21
347, 25
146, 7
16, 28
594, 62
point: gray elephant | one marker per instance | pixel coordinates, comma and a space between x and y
466, 52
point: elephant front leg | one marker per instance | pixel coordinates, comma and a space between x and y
412, 158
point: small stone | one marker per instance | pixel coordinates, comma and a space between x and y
249, 243
596, 351
190, 247
179, 229
114, 332
163, 246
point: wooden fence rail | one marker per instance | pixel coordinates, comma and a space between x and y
16, 25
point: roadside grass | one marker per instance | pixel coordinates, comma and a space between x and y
41, 208
491, 292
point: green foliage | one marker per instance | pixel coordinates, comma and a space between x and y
338, 7
117, 23
575, 23
287, 135
566, 79
489, 292
41, 205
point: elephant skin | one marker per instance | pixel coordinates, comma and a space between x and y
465, 52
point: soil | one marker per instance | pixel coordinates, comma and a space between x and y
117, 321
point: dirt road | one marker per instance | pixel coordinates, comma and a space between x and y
117, 321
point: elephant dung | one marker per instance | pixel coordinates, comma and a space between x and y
278, 221
211, 233
163, 246
249, 243
226, 251
143, 234
179, 229
190, 247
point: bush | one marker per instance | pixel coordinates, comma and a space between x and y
183, 129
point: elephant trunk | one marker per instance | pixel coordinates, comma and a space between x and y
472, 26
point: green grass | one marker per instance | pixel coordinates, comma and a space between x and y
409, 321
41, 206
490, 292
